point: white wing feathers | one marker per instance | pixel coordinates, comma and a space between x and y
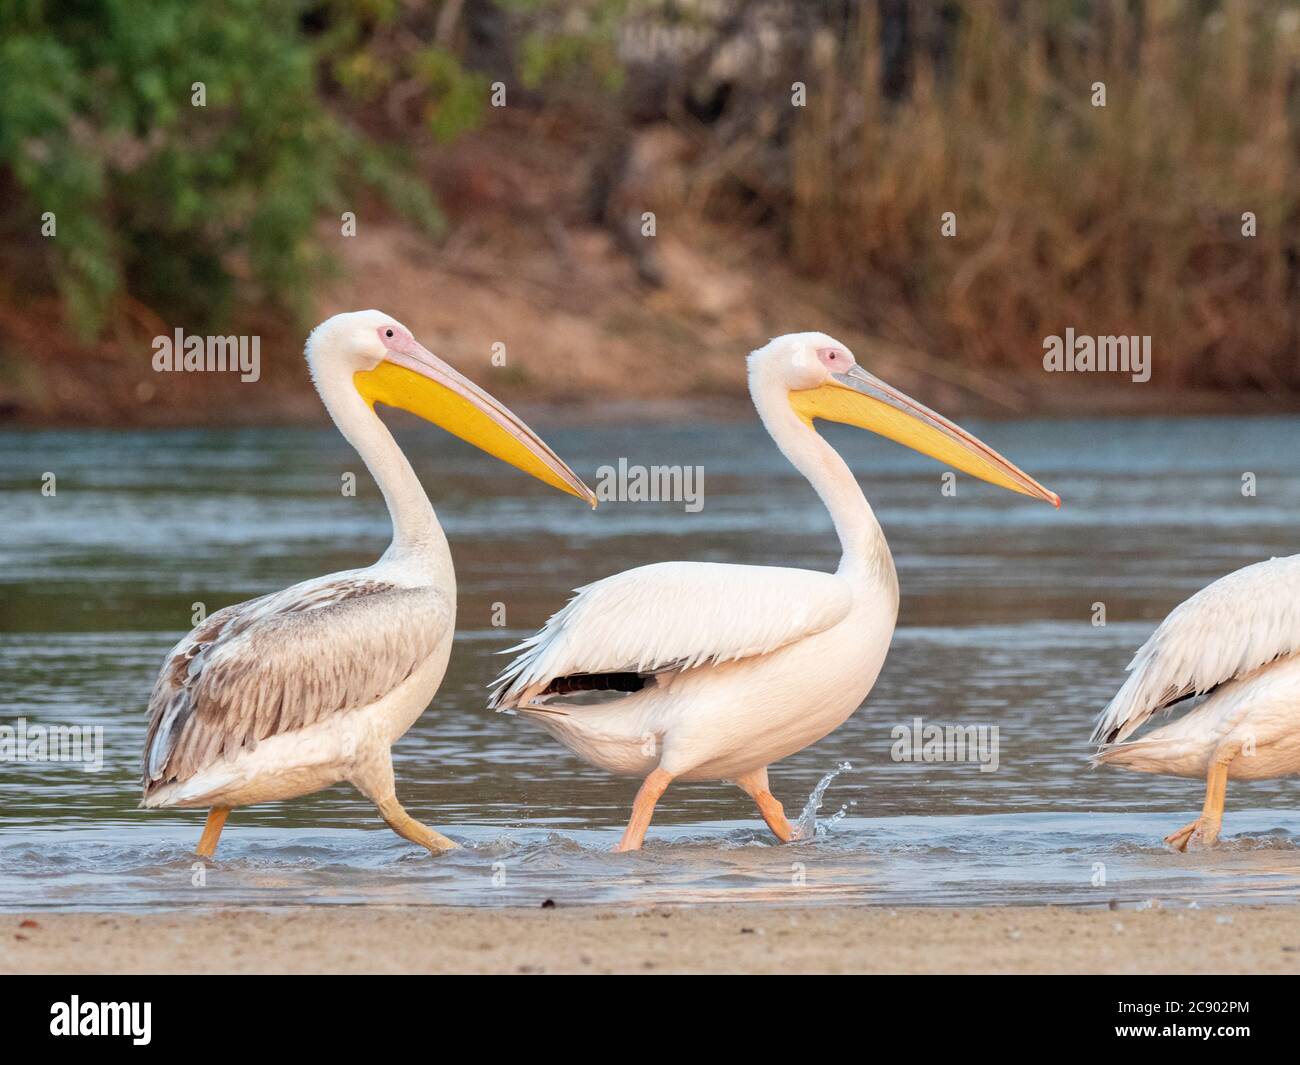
673, 616
1228, 629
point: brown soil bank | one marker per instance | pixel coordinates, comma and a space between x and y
589, 339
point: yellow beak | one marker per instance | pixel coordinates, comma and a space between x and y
858, 398
418, 381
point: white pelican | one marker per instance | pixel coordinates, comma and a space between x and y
290, 693
714, 671
1236, 642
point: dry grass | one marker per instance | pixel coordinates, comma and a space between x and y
1122, 219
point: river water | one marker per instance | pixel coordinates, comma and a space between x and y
1001, 597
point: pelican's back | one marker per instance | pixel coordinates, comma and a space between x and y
1227, 630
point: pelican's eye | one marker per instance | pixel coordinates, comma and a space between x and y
832, 358
388, 333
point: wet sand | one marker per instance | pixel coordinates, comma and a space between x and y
749, 939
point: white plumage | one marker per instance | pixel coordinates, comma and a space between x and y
1259, 713
1236, 643
674, 616
1226, 630
705, 671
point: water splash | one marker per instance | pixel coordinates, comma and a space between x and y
807, 826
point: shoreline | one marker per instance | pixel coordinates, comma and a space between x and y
716, 938
294, 411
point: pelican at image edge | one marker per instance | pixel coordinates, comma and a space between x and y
1235, 645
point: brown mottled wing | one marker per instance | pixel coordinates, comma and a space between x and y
283, 662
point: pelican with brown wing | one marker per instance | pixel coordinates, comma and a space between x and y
290, 693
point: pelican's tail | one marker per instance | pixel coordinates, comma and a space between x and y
1174, 755
1130, 707
533, 709
1125, 754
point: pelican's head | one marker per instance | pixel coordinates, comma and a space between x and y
824, 380
386, 364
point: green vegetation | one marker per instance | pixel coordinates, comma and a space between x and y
184, 207
1119, 219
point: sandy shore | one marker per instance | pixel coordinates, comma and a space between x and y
697, 939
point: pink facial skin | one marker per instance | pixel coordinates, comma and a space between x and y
397, 339
837, 360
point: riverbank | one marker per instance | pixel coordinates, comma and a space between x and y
746, 939
588, 342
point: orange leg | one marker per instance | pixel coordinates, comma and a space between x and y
643, 808
374, 779
774, 814
212, 831
1205, 829
755, 786
406, 826
1179, 840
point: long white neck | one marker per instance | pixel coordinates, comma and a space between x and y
416, 532
864, 552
